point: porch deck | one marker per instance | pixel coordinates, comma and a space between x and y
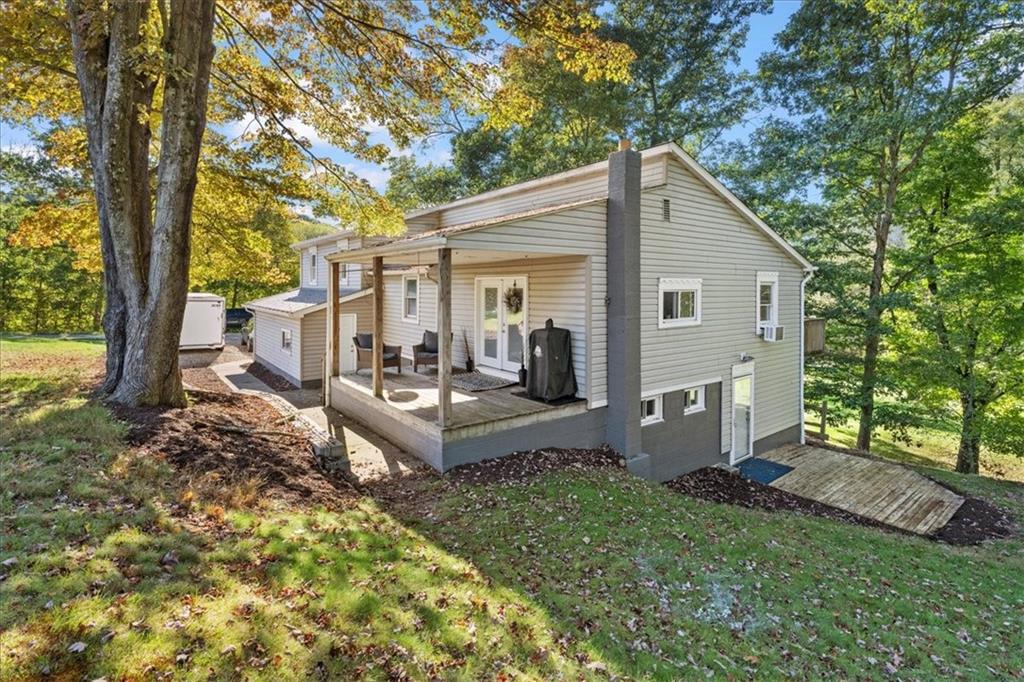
407, 415
889, 493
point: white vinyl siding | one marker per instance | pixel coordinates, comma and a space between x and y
587, 185
314, 344
709, 240
556, 290
309, 280
557, 287
267, 330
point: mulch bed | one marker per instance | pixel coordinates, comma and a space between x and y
236, 438
975, 522
264, 374
717, 485
522, 466
204, 379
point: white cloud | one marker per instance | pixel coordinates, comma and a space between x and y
372, 173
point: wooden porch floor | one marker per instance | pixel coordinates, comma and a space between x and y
416, 396
890, 493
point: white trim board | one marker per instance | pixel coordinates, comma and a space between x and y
681, 387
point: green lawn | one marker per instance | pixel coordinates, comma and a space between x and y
929, 448
575, 575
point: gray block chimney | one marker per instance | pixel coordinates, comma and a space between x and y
622, 429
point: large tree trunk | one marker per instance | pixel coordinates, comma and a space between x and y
970, 435
873, 330
145, 251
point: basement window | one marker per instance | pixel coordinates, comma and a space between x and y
680, 302
693, 400
650, 410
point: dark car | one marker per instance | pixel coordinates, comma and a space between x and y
236, 317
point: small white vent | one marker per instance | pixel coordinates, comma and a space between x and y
666, 209
774, 333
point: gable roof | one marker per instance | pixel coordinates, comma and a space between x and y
670, 149
434, 238
299, 302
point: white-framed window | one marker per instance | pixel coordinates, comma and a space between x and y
312, 267
650, 410
411, 298
693, 400
286, 340
679, 301
343, 272
767, 300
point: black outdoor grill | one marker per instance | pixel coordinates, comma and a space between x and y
551, 375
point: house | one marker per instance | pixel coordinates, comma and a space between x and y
289, 329
685, 311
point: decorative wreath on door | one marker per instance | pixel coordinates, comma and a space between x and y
513, 300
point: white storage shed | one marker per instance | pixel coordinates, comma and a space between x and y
204, 322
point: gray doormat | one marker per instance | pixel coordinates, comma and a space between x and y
478, 381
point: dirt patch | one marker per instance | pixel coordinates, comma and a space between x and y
204, 379
521, 466
231, 352
270, 378
240, 445
976, 521
414, 495
717, 485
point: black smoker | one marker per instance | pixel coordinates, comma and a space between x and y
551, 375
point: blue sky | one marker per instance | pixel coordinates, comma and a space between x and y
762, 32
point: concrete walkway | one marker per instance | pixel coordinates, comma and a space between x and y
369, 456
893, 494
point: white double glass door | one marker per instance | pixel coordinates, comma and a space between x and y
501, 322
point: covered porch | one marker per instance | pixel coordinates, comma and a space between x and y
482, 295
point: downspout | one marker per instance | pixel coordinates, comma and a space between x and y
803, 419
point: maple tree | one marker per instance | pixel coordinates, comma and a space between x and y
151, 73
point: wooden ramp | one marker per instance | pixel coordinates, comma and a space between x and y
885, 492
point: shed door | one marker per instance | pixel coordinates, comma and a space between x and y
348, 348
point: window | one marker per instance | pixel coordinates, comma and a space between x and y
680, 302
767, 300
693, 400
411, 298
312, 267
286, 339
666, 210
650, 410
343, 271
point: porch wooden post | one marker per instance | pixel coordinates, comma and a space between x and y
378, 326
444, 337
334, 306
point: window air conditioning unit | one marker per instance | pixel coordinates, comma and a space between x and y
773, 333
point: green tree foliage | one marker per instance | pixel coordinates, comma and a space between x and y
684, 86
960, 339
46, 288
871, 85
